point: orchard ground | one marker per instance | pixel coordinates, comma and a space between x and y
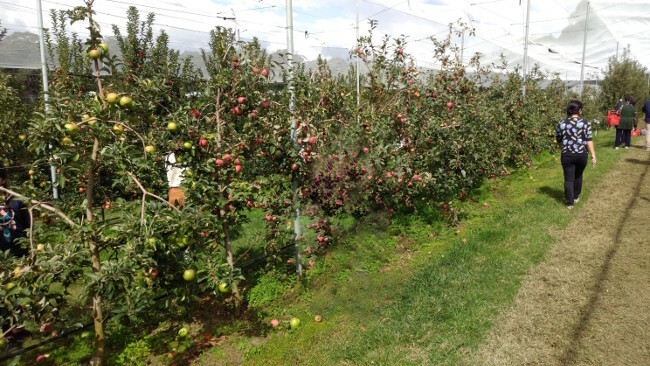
521, 280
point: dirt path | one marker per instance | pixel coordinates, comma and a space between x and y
588, 303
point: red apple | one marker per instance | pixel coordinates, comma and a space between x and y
449, 105
266, 103
264, 72
237, 169
226, 158
203, 142
275, 323
219, 162
241, 100
312, 140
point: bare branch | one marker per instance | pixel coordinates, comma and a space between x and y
41, 204
146, 193
144, 144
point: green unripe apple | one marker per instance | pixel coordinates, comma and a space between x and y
111, 98
94, 54
125, 101
188, 275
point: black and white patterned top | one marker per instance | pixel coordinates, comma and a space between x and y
573, 133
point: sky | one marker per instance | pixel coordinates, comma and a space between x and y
328, 27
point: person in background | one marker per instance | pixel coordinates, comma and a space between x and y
620, 104
646, 109
576, 140
628, 121
14, 219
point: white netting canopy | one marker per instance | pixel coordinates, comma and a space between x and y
328, 27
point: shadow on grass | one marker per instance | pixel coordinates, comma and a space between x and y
637, 161
554, 193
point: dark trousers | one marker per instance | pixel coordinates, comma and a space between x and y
623, 136
573, 166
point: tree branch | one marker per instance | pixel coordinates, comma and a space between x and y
146, 193
41, 204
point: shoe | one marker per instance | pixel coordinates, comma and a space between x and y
569, 207
627, 147
575, 200
616, 148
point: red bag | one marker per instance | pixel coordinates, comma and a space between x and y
634, 132
612, 118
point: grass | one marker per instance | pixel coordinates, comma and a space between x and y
426, 300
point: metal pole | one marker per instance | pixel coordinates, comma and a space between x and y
584, 50
41, 39
294, 134
616, 51
525, 70
358, 88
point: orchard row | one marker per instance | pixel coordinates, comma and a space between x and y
413, 137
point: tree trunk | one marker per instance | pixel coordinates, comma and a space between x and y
98, 354
231, 263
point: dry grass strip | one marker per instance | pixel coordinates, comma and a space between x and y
588, 303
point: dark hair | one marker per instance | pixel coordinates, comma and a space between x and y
3, 171
626, 98
573, 107
632, 100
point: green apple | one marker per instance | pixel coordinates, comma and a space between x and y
188, 275
118, 129
187, 145
223, 287
125, 101
171, 126
94, 54
183, 332
71, 127
149, 149
86, 118
294, 323
66, 141
111, 98
104, 46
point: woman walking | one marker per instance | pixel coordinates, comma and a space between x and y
575, 137
628, 121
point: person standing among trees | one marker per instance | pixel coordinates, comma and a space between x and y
14, 219
646, 109
628, 121
576, 140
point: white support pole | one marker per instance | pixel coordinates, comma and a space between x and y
358, 87
525, 63
41, 39
294, 135
584, 50
616, 51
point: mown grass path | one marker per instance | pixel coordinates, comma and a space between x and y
588, 303
393, 294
